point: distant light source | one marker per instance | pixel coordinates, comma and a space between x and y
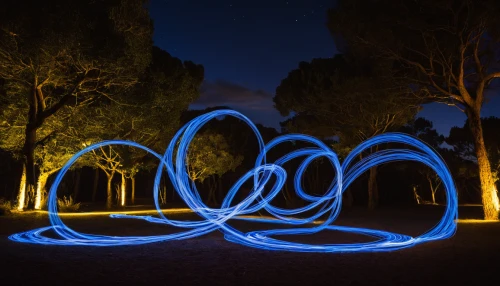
263, 173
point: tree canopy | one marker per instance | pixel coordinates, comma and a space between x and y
447, 49
354, 99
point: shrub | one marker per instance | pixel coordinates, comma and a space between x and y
66, 204
6, 207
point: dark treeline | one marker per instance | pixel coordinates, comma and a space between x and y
71, 77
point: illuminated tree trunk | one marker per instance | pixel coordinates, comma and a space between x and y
489, 194
132, 195
415, 194
76, 187
21, 197
40, 188
372, 189
433, 188
96, 184
123, 190
109, 191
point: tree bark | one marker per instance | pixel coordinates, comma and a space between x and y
109, 191
489, 194
29, 154
76, 187
40, 187
21, 197
415, 193
220, 192
132, 196
434, 189
96, 184
123, 190
29, 148
211, 191
372, 189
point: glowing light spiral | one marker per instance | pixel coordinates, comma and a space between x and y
328, 205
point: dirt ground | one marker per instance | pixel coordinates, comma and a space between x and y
471, 257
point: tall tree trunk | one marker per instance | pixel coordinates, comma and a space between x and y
96, 184
21, 197
123, 190
211, 189
109, 191
132, 196
29, 154
214, 190
372, 189
489, 194
220, 191
29, 147
40, 188
76, 187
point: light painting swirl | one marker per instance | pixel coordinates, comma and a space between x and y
328, 205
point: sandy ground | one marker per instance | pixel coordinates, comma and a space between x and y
471, 257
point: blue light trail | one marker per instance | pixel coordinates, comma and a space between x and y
174, 162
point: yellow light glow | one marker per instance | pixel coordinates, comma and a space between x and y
476, 221
122, 195
22, 192
38, 196
152, 211
496, 203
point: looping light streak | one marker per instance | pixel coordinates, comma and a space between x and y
328, 205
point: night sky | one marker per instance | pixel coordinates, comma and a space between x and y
248, 46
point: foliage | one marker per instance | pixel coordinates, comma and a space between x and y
354, 99
148, 114
423, 129
6, 206
66, 204
462, 141
447, 49
58, 56
208, 155
341, 97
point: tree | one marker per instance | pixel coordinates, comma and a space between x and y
209, 155
55, 145
462, 141
423, 129
149, 114
65, 54
448, 49
346, 98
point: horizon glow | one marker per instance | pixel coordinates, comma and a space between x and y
328, 205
